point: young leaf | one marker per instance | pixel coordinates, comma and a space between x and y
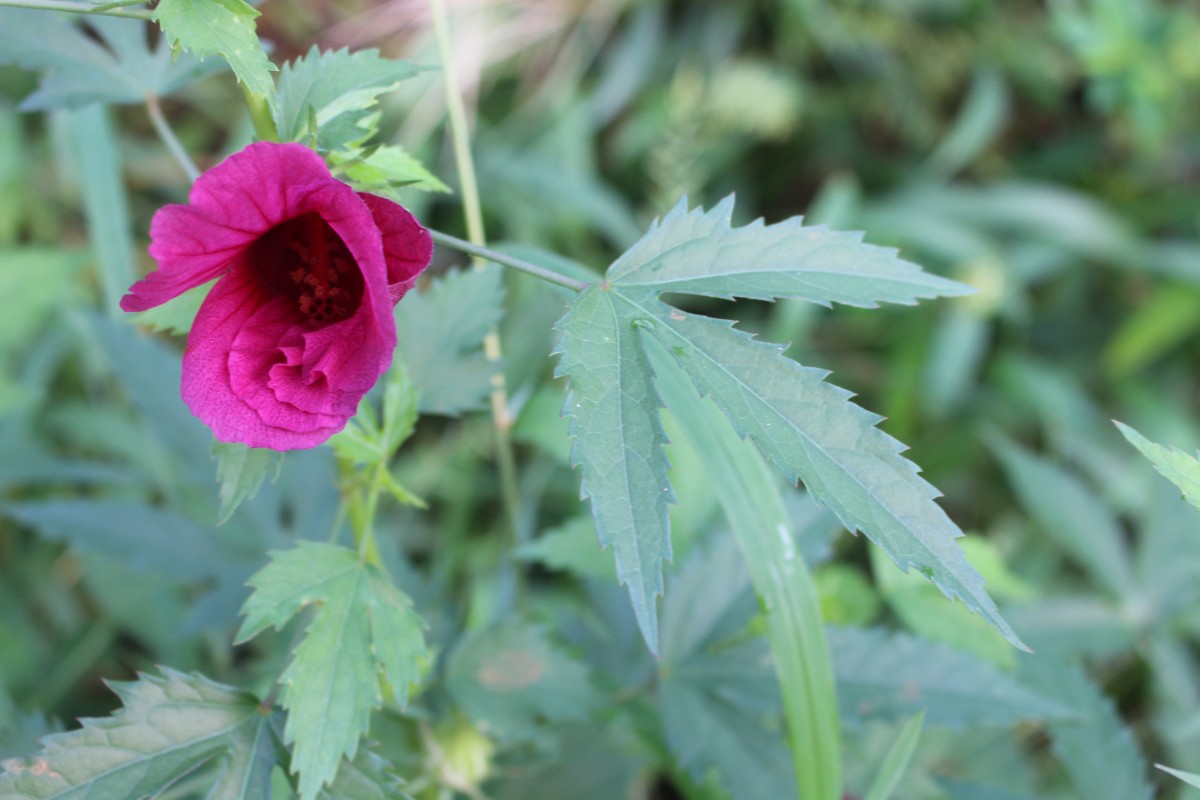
1172, 463
389, 168
240, 471
890, 677
507, 678
338, 90
440, 333
364, 632
618, 442
219, 27
170, 726
700, 252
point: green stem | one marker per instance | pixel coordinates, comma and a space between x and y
460, 134
746, 489
508, 261
76, 8
168, 137
260, 115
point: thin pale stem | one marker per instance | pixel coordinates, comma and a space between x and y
168, 137
77, 8
508, 261
460, 135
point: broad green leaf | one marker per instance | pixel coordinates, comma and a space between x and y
240, 471
571, 547
219, 27
440, 333
699, 252
169, 727
811, 432
893, 676
142, 538
507, 678
339, 91
389, 168
1172, 463
1190, 778
618, 443
719, 702
176, 315
115, 67
363, 635
896, 760
1070, 513
1098, 752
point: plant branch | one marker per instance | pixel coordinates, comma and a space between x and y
168, 137
508, 261
461, 137
77, 8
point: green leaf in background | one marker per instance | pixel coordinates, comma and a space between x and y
177, 314
700, 252
508, 678
1098, 752
896, 761
169, 727
893, 676
240, 471
1070, 513
571, 547
618, 443
368, 777
117, 66
363, 636
219, 27
806, 427
339, 90
440, 332
1171, 462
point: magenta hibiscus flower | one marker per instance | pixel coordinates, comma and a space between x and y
299, 327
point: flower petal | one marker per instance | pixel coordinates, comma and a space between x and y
407, 247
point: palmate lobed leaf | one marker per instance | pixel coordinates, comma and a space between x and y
219, 27
169, 727
364, 631
806, 427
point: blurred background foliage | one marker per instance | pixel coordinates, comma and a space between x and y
1048, 153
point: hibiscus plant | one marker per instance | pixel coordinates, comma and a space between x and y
323, 314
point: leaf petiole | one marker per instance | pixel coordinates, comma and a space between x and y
505, 260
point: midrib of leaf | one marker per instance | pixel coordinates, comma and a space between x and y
662, 314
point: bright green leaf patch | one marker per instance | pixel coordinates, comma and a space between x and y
386, 169
170, 726
364, 637
240, 471
805, 426
177, 314
219, 27
1172, 463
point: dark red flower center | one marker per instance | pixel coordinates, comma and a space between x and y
305, 260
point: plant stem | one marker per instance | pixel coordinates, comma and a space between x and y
508, 261
76, 8
260, 116
461, 137
168, 137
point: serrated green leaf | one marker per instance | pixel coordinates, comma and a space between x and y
1099, 753
811, 431
700, 252
440, 333
1075, 517
389, 168
169, 727
240, 471
177, 314
509, 677
219, 27
337, 90
893, 676
618, 443
1190, 778
118, 67
1172, 463
364, 631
